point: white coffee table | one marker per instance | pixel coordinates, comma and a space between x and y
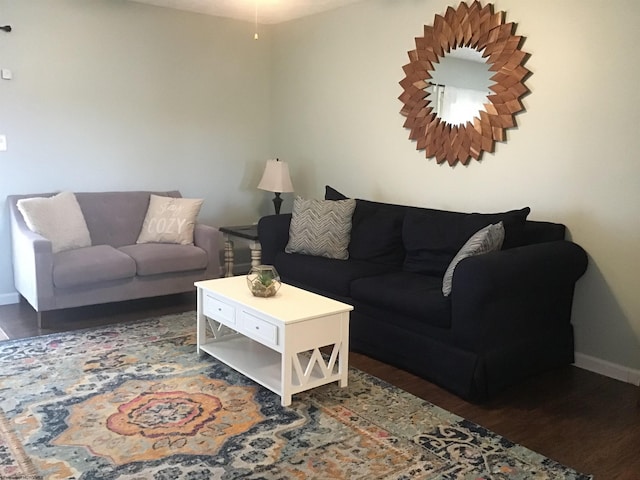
274, 341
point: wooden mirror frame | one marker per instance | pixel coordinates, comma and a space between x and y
479, 28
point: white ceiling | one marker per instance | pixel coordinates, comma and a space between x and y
269, 11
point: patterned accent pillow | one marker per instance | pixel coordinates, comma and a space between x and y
59, 219
170, 220
485, 240
321, 227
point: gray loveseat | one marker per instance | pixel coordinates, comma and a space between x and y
114, 267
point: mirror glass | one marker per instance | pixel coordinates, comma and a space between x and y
459, 85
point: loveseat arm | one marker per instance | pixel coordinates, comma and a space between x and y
522, 292
32, 260
208, 238
273, 233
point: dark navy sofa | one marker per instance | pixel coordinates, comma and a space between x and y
509, 312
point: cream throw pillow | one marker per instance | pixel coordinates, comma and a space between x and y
59, 219
170, 220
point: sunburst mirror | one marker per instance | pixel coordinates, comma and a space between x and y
431, 94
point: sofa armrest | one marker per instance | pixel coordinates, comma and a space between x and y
273, 233
32, 259
517, 292
208, 238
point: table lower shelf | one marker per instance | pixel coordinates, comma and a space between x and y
250, 358
262, 364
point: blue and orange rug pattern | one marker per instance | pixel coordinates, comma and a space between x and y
135, 401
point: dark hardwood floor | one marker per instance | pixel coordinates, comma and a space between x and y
578, 418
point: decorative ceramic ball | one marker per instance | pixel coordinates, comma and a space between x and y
263, 281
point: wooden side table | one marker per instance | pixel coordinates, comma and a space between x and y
247, 232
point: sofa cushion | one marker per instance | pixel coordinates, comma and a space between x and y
331, 193
156, 258
376, 234
376, 230
170, 220
83, 266
115, 218
487, 239
321, 227
327, 274
59, 219
538, 232
433, 237
411, 294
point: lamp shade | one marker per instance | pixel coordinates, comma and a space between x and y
276, 177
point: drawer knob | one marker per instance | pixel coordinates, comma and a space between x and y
257, 327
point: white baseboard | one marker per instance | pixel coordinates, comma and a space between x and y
608, 369
9, 298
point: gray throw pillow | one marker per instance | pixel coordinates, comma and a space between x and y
321, 227
485, 240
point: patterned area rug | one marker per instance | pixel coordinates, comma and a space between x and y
135, 401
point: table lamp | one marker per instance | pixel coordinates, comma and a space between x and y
276, 179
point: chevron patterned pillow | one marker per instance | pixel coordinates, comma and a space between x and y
321, 227
485, 240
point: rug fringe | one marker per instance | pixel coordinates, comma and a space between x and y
24, 462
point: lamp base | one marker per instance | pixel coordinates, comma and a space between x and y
277, 202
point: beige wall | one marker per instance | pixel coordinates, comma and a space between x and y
115, 95
573, 158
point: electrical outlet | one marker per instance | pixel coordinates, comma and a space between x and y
3, 143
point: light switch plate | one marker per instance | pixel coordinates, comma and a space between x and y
6, 74
3, 143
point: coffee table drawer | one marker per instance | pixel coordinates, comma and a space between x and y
223, 312
259, 329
